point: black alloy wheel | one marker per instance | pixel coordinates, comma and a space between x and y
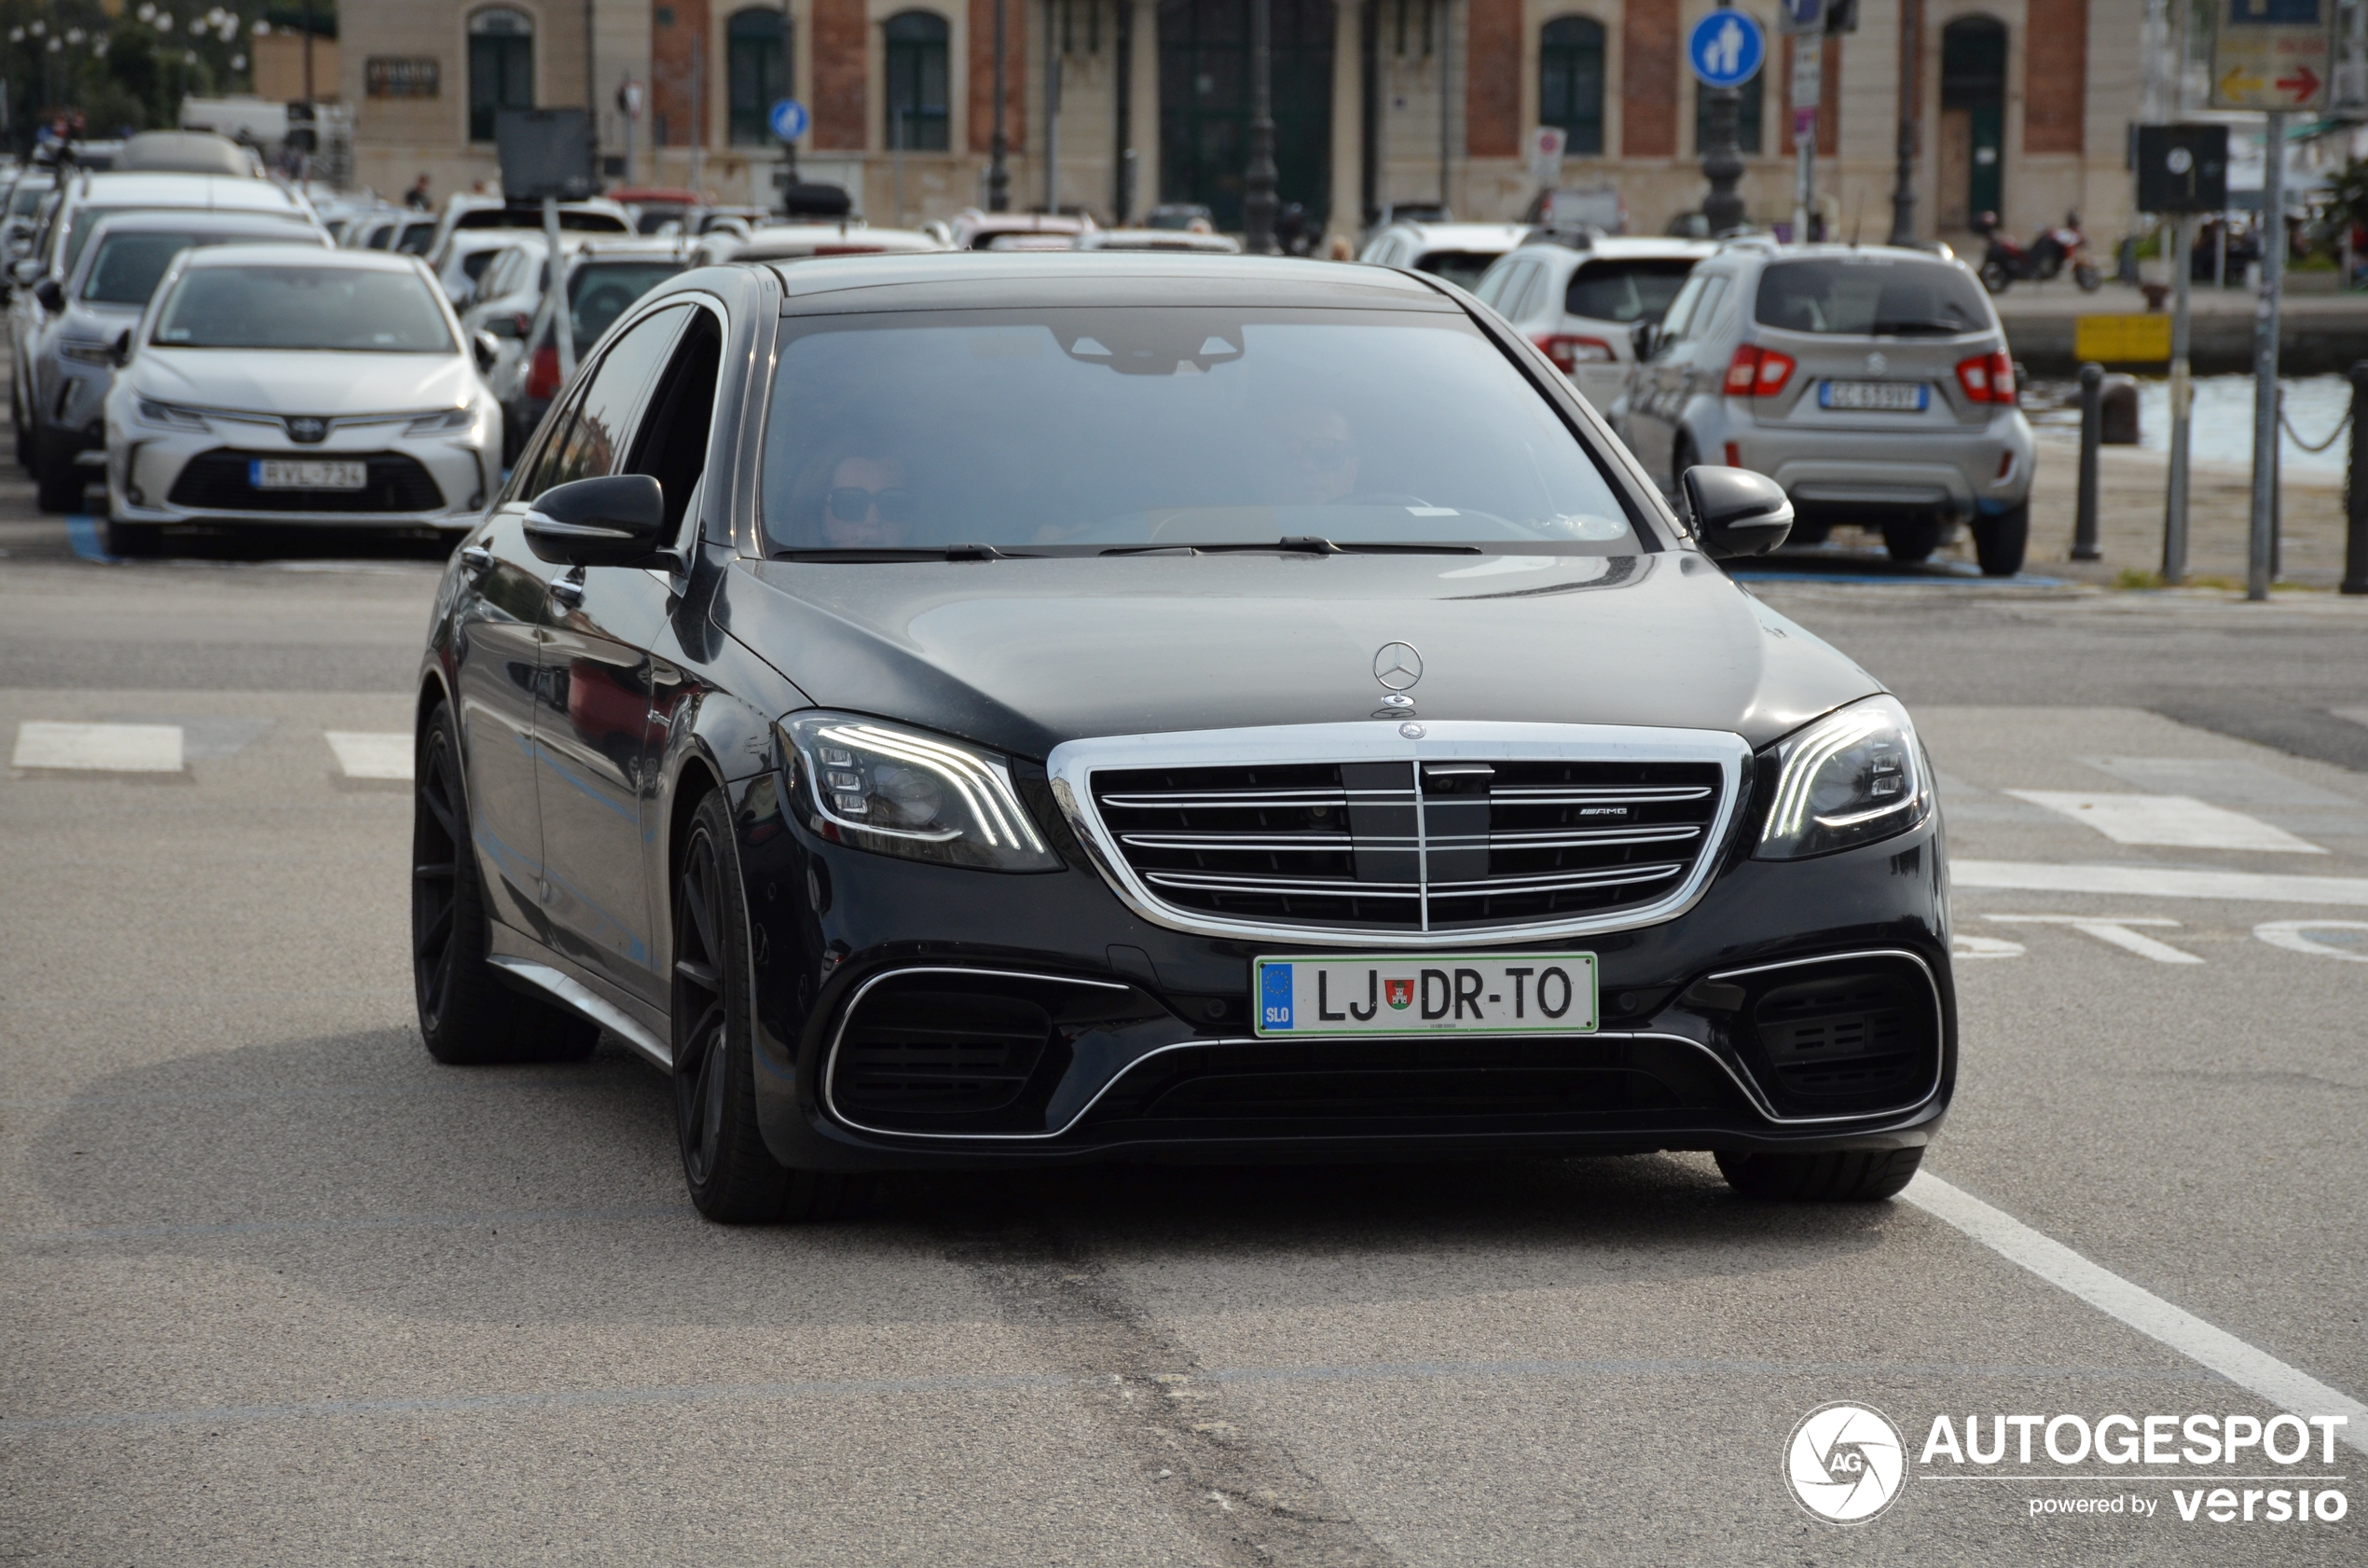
1844, 1177
2001, 541
733, 1178
468, 1014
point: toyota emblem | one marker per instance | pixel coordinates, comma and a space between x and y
305, 428
1397, 666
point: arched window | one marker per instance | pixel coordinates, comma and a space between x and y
757, 71
1570, 82
918, 119
500, 68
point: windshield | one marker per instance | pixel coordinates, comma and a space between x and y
1869, 295
1087, 430
1461, 268
127, 267
599, 291
27, 200
1625, 291
333, 308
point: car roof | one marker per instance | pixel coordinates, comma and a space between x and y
624, 248
1451, 236
987, 280
802, 239
1628, 247
178, 220
1770, 251
216, 192
277, 256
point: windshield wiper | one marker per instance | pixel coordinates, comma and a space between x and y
931, 552
1296, 545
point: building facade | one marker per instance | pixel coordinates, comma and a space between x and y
1114, 106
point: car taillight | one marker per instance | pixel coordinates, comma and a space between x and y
1569, 353
1988, 377
1758, 372
521, 324
543, 375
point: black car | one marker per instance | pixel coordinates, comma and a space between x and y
965, 711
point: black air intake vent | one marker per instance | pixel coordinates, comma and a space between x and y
216, 481
938, 1053
1847, 1038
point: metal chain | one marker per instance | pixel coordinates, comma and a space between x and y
2341, 425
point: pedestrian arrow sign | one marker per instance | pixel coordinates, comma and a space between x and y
1726, 48
2271, 54
789, 119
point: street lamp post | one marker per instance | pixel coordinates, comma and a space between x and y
1258, 195
1903, 195
998, 176
1723, 160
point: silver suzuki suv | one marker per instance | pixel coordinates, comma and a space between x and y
1873, 383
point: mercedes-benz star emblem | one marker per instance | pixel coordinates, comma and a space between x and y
305, 428
1877, 363
1397, 666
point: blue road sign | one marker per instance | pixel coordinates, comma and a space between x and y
789, 119
1726, 48
1803, 16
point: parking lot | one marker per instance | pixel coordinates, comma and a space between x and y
278, 1288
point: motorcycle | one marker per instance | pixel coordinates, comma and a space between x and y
2045, 258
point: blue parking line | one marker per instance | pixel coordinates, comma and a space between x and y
83, 534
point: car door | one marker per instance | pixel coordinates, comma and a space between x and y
1645, 420
592, 711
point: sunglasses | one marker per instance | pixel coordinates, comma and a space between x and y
852, 504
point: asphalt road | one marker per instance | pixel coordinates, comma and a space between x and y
275, 1287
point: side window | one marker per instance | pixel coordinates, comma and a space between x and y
1492, 283
597, 438
1680, 310
1706, 308
1527, 296
671, 446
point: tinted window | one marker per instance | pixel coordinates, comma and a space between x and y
128, 266
1461, 268
326, 308
1857, 295
1085, 430
416, 236
1625, 291
601, 292
27, 200
596, 442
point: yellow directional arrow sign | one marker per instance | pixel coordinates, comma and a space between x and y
2271, 54
2241, 86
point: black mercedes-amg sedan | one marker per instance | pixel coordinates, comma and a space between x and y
960, 711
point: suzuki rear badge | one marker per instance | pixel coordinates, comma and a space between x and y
1877, 365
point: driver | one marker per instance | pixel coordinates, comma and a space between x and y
867, 505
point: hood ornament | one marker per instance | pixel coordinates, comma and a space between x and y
1397, 667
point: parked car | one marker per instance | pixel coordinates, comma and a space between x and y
71, 362
595, 215
332, 389
1872, 383
1173, 241
896, 699
22, 214
465, 256
1457, 252
1581, 297
974, 230
392, 229
602, 279
188, 152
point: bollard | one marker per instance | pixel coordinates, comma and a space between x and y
2356, 489
2092, 381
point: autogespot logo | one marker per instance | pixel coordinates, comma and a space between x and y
1847, 1463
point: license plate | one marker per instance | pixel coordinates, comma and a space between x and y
1445, 994
275, 474
1889, 397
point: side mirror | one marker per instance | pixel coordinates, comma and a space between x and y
488, 350
1736, 512
611, 521
1640, 337
122, 348
51, 294
25, 272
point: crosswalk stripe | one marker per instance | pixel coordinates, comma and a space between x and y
365, 755
2158, 881
2181, 821
98, 748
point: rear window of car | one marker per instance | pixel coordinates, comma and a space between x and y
598, 292
1461, 268
127, 267
27, 200
1871, 295
1638, 289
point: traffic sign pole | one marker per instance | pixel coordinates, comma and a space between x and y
2182, 403
1808, 94
2262, 542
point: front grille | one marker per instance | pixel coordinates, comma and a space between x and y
216, 481
1403, 846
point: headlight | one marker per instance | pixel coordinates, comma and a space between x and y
1851, 778
166, 416
898, 792
436, 424
84, 351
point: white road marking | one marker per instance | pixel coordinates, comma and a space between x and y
2116, 931
2284, 1387
2288, 934
2180, 820
98, 748
362, 754
2159, 882
1962, 946
2230, 781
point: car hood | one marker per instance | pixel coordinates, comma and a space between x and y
325, 384
1024, 654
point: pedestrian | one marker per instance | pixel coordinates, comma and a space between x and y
417, 196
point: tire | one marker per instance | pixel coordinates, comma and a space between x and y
1995, 277
468, 1016
1910, 540
1845, 1178
60, 483
133, 540
733, 1178
2088, 278
2001, 541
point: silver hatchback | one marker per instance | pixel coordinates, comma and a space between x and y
1872, 383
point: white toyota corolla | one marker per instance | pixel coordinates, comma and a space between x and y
265, 386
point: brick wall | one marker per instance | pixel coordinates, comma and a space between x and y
1648, 71
1492, 80
670, 63
1015, 14
840, 46
2056, 76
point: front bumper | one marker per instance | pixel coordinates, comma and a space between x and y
1152, 1055
185, 476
